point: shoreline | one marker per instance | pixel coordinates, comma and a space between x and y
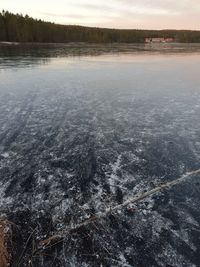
81, 44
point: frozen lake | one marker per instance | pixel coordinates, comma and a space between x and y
84, 129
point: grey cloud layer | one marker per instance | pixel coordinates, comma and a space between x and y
146, 7
180, 14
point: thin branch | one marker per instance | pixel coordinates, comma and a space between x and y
135, 199
25, 248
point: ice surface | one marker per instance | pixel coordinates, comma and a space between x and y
79, 135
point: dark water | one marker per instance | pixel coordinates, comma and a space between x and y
85, 128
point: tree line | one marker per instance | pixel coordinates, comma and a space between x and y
19, 28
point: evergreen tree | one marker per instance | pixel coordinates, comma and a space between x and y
19, 28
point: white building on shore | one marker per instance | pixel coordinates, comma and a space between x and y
159, 40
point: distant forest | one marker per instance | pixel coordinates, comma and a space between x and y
19, 28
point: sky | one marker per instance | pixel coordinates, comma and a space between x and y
129, 14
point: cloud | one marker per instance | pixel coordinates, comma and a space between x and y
151, 14
77, 16
183, 6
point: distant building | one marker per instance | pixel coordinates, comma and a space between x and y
169, 40
159, 40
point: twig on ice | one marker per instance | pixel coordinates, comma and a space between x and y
61, 235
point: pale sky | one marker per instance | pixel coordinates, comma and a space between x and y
135, 14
